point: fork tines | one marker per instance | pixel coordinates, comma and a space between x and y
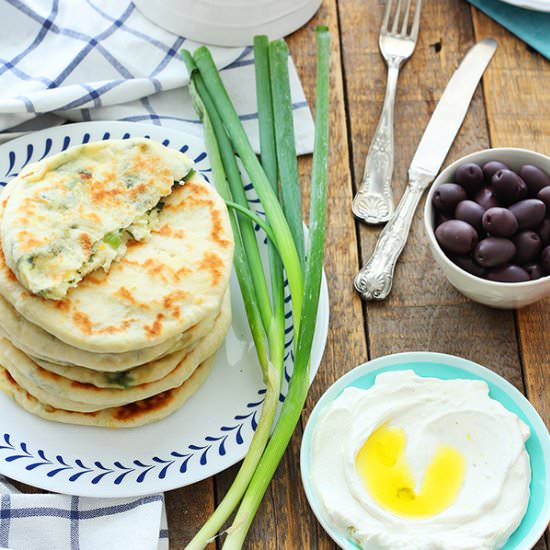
401, 17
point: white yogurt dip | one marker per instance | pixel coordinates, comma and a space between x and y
421, 463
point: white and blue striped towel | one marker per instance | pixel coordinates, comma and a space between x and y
103, 60
59, 522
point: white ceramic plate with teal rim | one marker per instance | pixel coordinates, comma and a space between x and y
448, 367
209, 433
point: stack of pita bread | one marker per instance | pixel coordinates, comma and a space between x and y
125, 343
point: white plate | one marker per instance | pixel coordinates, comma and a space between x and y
209, 433
537, 5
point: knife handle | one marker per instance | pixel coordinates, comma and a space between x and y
374, 281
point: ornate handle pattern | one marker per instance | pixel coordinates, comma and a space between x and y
373, 203
374, 281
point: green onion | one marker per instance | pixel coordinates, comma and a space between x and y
270, 203
240, 262
189, 174
253, 217
220, 159
299, 382
237, 193
224, 134
286, 148
113, 239
268, 155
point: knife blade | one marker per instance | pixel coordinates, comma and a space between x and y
374, 281
449, 113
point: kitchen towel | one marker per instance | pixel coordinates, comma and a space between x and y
60, 522
103, 60
533, 27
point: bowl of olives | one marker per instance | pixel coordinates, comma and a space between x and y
487, 217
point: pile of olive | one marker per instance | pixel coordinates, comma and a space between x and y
494, 222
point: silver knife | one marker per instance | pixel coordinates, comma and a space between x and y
374, 281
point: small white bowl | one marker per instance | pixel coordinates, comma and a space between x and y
229, 22
491, 293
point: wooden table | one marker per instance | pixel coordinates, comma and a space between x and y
423, 311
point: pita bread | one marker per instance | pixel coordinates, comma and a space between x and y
128, 416
158, 290
45, 348
73, 212
60, 392
142, 374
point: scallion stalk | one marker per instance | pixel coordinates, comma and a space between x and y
233, 177
287, 160
240, 261
246, 259
299, 382
269, 200
248, 214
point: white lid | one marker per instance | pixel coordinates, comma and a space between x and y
229, 22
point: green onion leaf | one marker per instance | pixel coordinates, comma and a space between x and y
269, 200
286, 147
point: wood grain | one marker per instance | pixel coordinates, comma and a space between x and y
423, 311
517, 96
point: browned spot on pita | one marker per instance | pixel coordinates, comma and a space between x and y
63, 305
126, 294
182, 271
112, 329
212, 263
4, 202
50, 409
145, 406
191, 201
93, 278
85, 175
48, 374
173, 297
176, 312
92, 216
28, 241
85, 243
156, 328
148, 162
83, 322
10, 379
9, 272
195, 189
154, 267
165, 230
107, 191
217, 229
140, 189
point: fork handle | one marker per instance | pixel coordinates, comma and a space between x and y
373, 203
375, 280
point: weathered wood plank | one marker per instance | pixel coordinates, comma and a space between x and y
517, 97
284, 519
423, 311
187, 509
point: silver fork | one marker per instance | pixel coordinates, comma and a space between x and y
373, 203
